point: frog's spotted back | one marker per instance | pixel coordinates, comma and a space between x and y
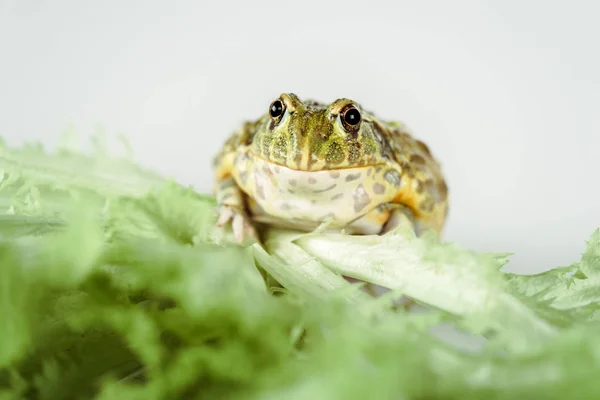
297, 141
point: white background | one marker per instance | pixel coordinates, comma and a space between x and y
506, 93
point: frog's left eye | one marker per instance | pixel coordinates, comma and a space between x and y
351, 118
276, 109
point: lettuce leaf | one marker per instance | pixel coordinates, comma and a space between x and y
115, 283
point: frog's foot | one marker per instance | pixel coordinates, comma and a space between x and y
400, 216
240, 223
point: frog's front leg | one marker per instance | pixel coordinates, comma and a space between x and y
231, 207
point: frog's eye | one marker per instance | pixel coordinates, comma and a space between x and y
276, 109
350, 118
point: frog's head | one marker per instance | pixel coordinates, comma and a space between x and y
311, 136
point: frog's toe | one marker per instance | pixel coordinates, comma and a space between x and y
240, 223
242, 227
225, 215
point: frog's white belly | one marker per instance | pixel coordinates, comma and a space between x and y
287, 197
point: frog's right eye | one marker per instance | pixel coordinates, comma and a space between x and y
276, 109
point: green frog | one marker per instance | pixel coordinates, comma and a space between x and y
304, 163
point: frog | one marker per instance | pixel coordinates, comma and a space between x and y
305, 163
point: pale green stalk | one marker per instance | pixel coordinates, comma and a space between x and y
299, 272
439, 275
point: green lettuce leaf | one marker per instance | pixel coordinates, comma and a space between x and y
115, 283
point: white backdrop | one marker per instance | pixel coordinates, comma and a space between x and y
506, 93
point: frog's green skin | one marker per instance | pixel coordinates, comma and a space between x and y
307, 166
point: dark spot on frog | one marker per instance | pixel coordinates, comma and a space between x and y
434, 191
443, 190
361, 198
312, 180
393, 177
292, 182
417, 159
378, 188
429, 185
419, 189
334, 174
326, 189
353, 177
337, 196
